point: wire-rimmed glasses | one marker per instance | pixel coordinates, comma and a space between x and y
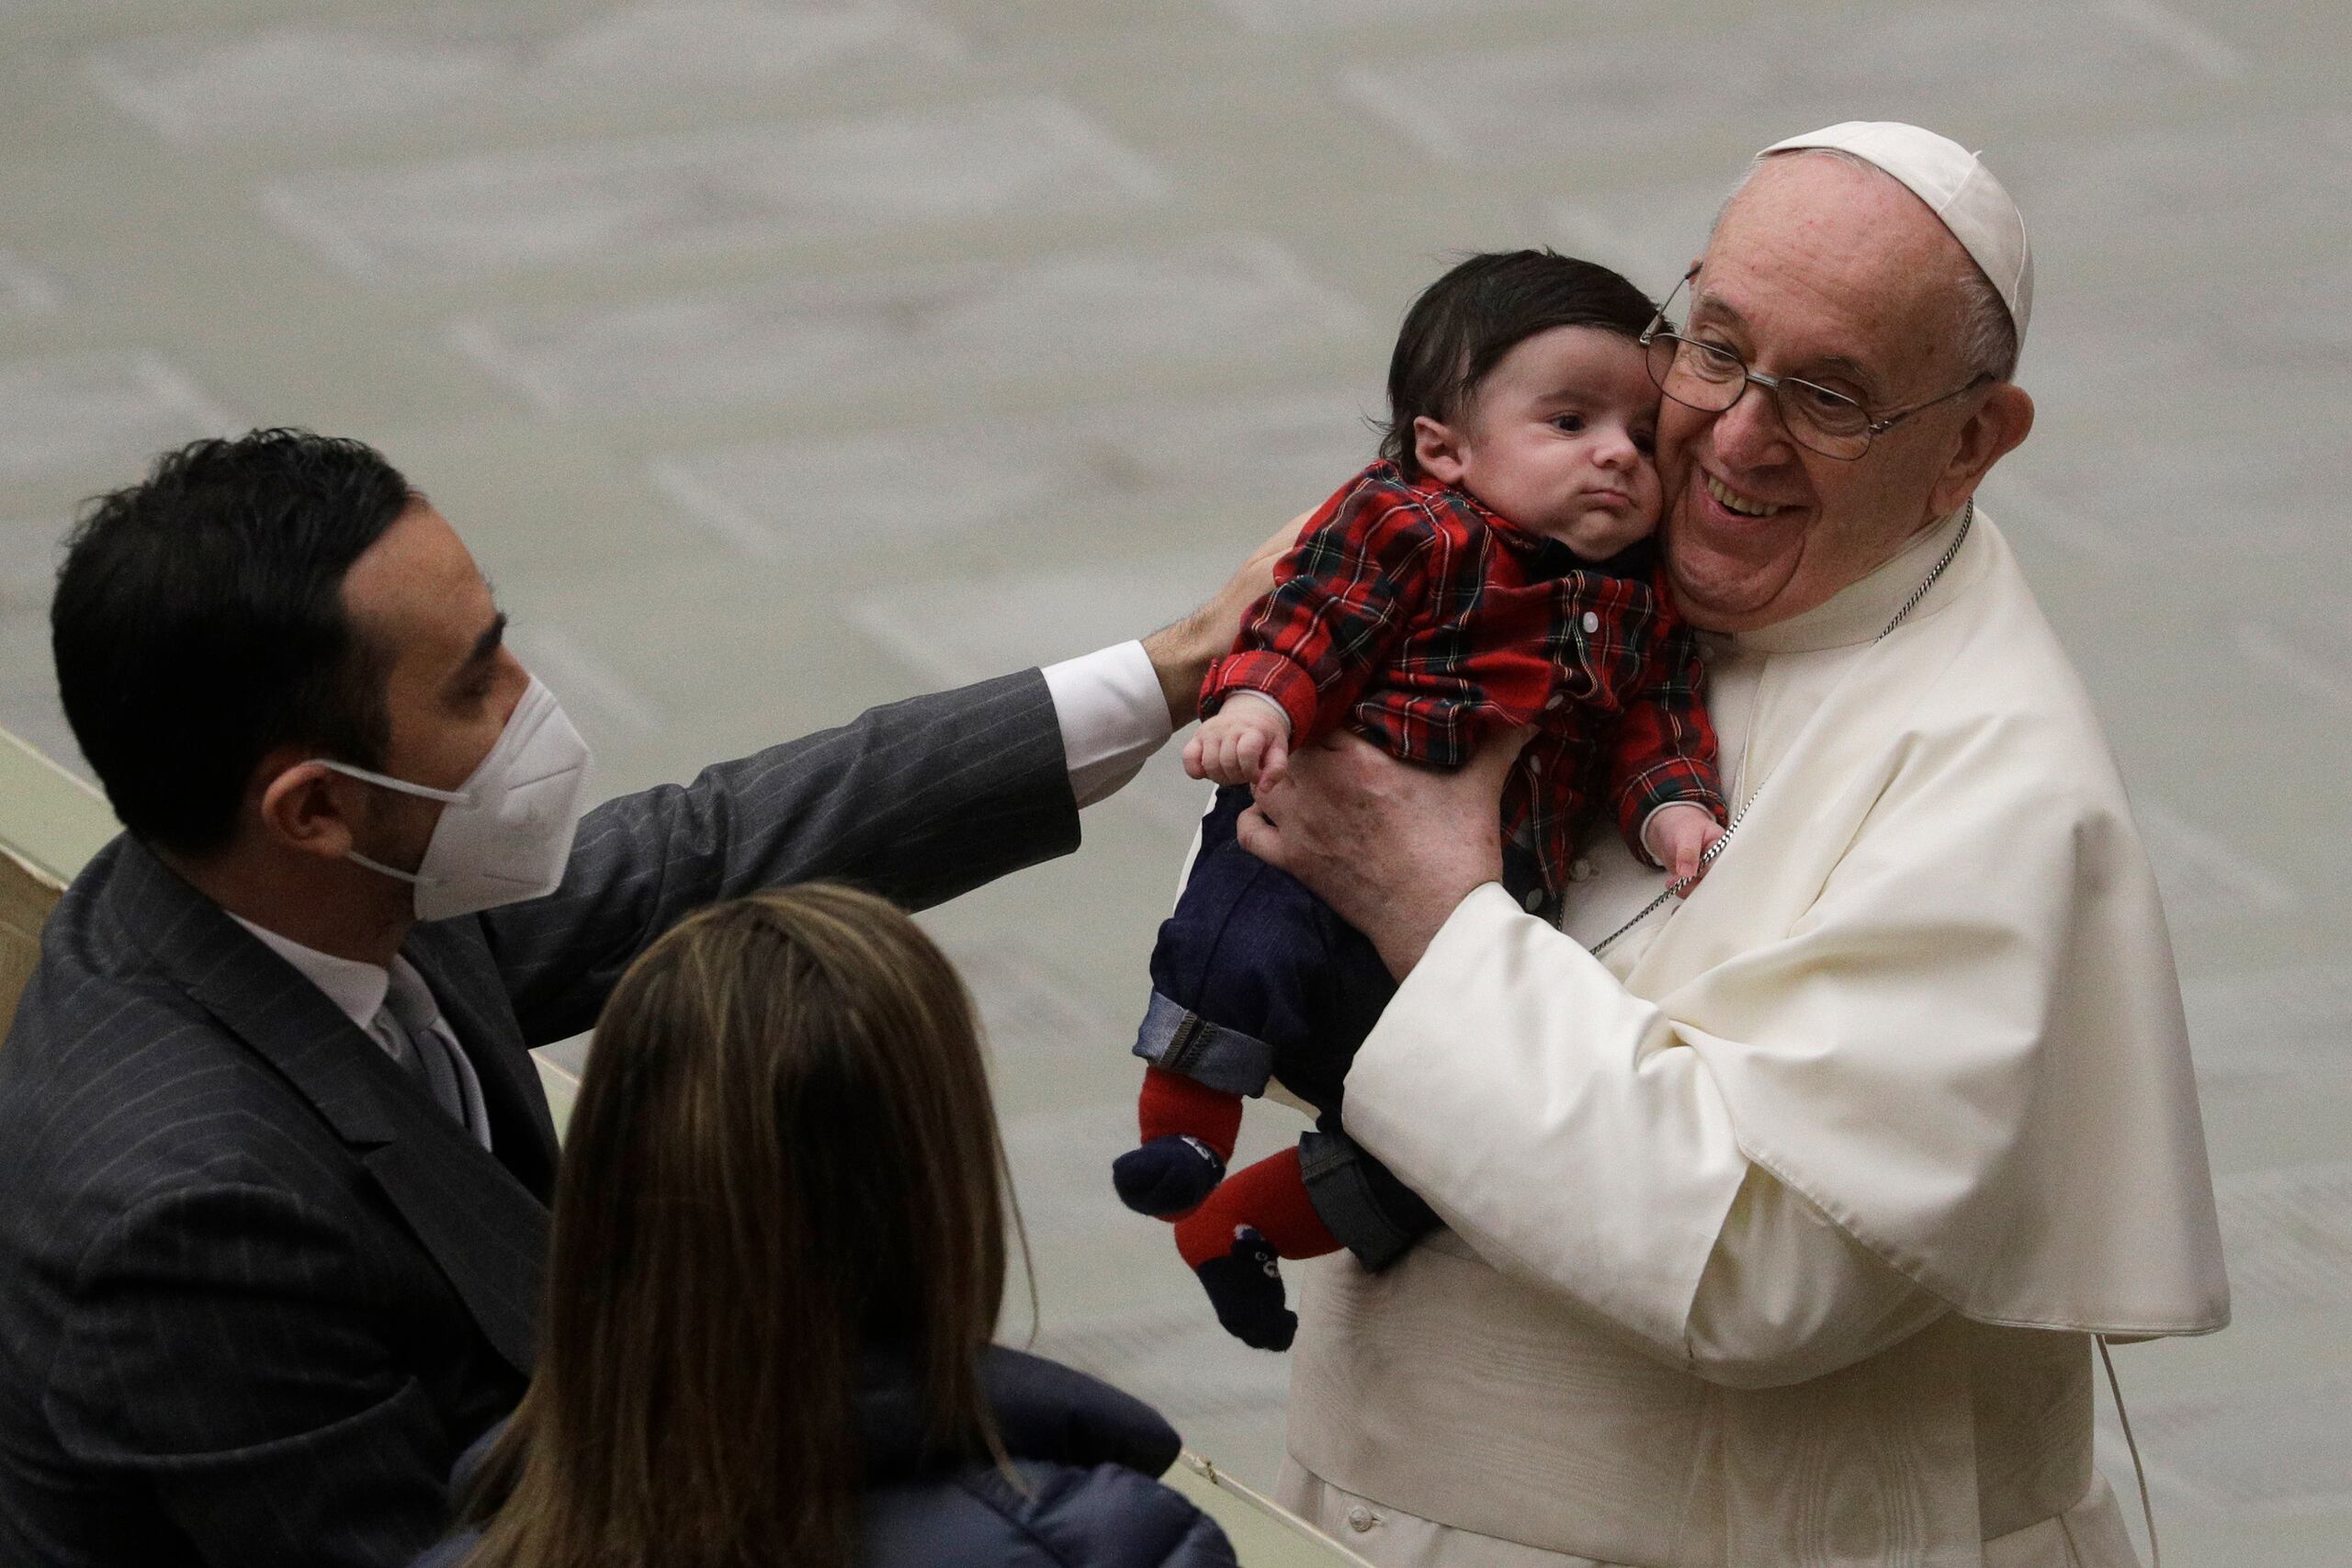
1710, 378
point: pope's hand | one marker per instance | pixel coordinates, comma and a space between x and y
1390, 846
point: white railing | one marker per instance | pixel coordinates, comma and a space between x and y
50, 823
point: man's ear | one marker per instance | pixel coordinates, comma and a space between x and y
305, 807
2000, 423
1437, 450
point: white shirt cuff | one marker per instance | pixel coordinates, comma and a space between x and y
1649, 849
1280, 711
1112, 716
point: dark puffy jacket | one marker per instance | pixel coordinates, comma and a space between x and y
1086, 1454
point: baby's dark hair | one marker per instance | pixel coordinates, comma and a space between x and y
1463, 324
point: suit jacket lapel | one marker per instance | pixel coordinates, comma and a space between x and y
482, 1226
489, 1236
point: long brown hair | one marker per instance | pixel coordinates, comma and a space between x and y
784, 1153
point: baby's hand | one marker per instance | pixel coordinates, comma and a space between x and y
1246, 741
1679, 835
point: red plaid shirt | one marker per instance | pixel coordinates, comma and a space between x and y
1425, 622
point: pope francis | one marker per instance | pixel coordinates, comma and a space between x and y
1780, 1226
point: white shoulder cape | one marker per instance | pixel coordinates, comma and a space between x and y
1932, 979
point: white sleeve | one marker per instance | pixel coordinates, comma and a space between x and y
1786, 1295
1253, 692
1557, 1124
1112, 716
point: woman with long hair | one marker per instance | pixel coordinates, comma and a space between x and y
778, 1255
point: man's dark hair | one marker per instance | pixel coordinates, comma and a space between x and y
198, 624
1463, 324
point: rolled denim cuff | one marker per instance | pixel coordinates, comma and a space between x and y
1365, 1207
1175, 1039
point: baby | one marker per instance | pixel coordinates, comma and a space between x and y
1491, 572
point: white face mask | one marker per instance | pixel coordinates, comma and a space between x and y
506, 834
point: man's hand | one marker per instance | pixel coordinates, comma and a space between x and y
1246, 741
1678, 835
1392, 846
1181, 653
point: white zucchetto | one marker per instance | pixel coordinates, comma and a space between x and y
1958, 188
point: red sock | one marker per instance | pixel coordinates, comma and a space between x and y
1270, 1198
1171, 1102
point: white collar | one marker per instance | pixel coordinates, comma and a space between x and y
1859, 612
361, 991
357, 989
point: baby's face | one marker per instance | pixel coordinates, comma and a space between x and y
1560, 439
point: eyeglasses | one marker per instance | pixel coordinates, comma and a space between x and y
1711, 379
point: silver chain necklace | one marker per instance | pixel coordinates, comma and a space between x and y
1967, 521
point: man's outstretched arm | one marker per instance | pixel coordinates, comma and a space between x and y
920, 801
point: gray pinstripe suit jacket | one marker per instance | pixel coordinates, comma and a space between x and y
257, 1291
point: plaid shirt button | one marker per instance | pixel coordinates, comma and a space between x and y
1591, 622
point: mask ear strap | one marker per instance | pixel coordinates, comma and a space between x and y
447, 796
412, 878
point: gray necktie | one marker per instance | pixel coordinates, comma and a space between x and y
427, 1057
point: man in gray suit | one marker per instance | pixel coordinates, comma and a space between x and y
272, 1187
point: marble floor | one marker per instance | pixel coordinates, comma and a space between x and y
780, 356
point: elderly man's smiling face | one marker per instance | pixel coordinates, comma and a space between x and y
1835, 274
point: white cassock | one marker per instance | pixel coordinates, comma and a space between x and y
1777, 1235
